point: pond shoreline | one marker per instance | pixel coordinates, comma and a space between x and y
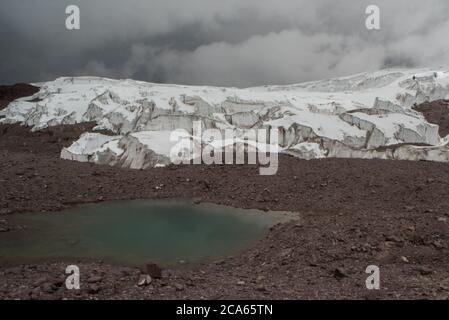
133, 232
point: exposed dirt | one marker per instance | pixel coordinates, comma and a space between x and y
353, 213
436, 112
9, 93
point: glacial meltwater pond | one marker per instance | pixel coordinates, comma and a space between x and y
134, 232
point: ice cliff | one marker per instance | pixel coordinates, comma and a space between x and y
368, 115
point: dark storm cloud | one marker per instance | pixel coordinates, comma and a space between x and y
232, 43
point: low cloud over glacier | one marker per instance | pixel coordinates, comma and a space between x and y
228, 43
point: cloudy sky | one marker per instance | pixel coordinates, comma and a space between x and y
218, 42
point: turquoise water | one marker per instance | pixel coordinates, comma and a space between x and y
134, 232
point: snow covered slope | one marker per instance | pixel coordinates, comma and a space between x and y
368, 115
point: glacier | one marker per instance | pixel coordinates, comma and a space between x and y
368, 115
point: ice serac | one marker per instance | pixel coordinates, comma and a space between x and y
367, 115
89, 145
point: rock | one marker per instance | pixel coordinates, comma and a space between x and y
424, 271
299, 224
144, 280
438, 244
14, 271
153, 270
125, 273
94, 279
286, 253
404, 259
58, 282
179, 287
48, 288
93, 288
40, 281
35, 294
339, 273
393, 238
260, 278
261, 288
